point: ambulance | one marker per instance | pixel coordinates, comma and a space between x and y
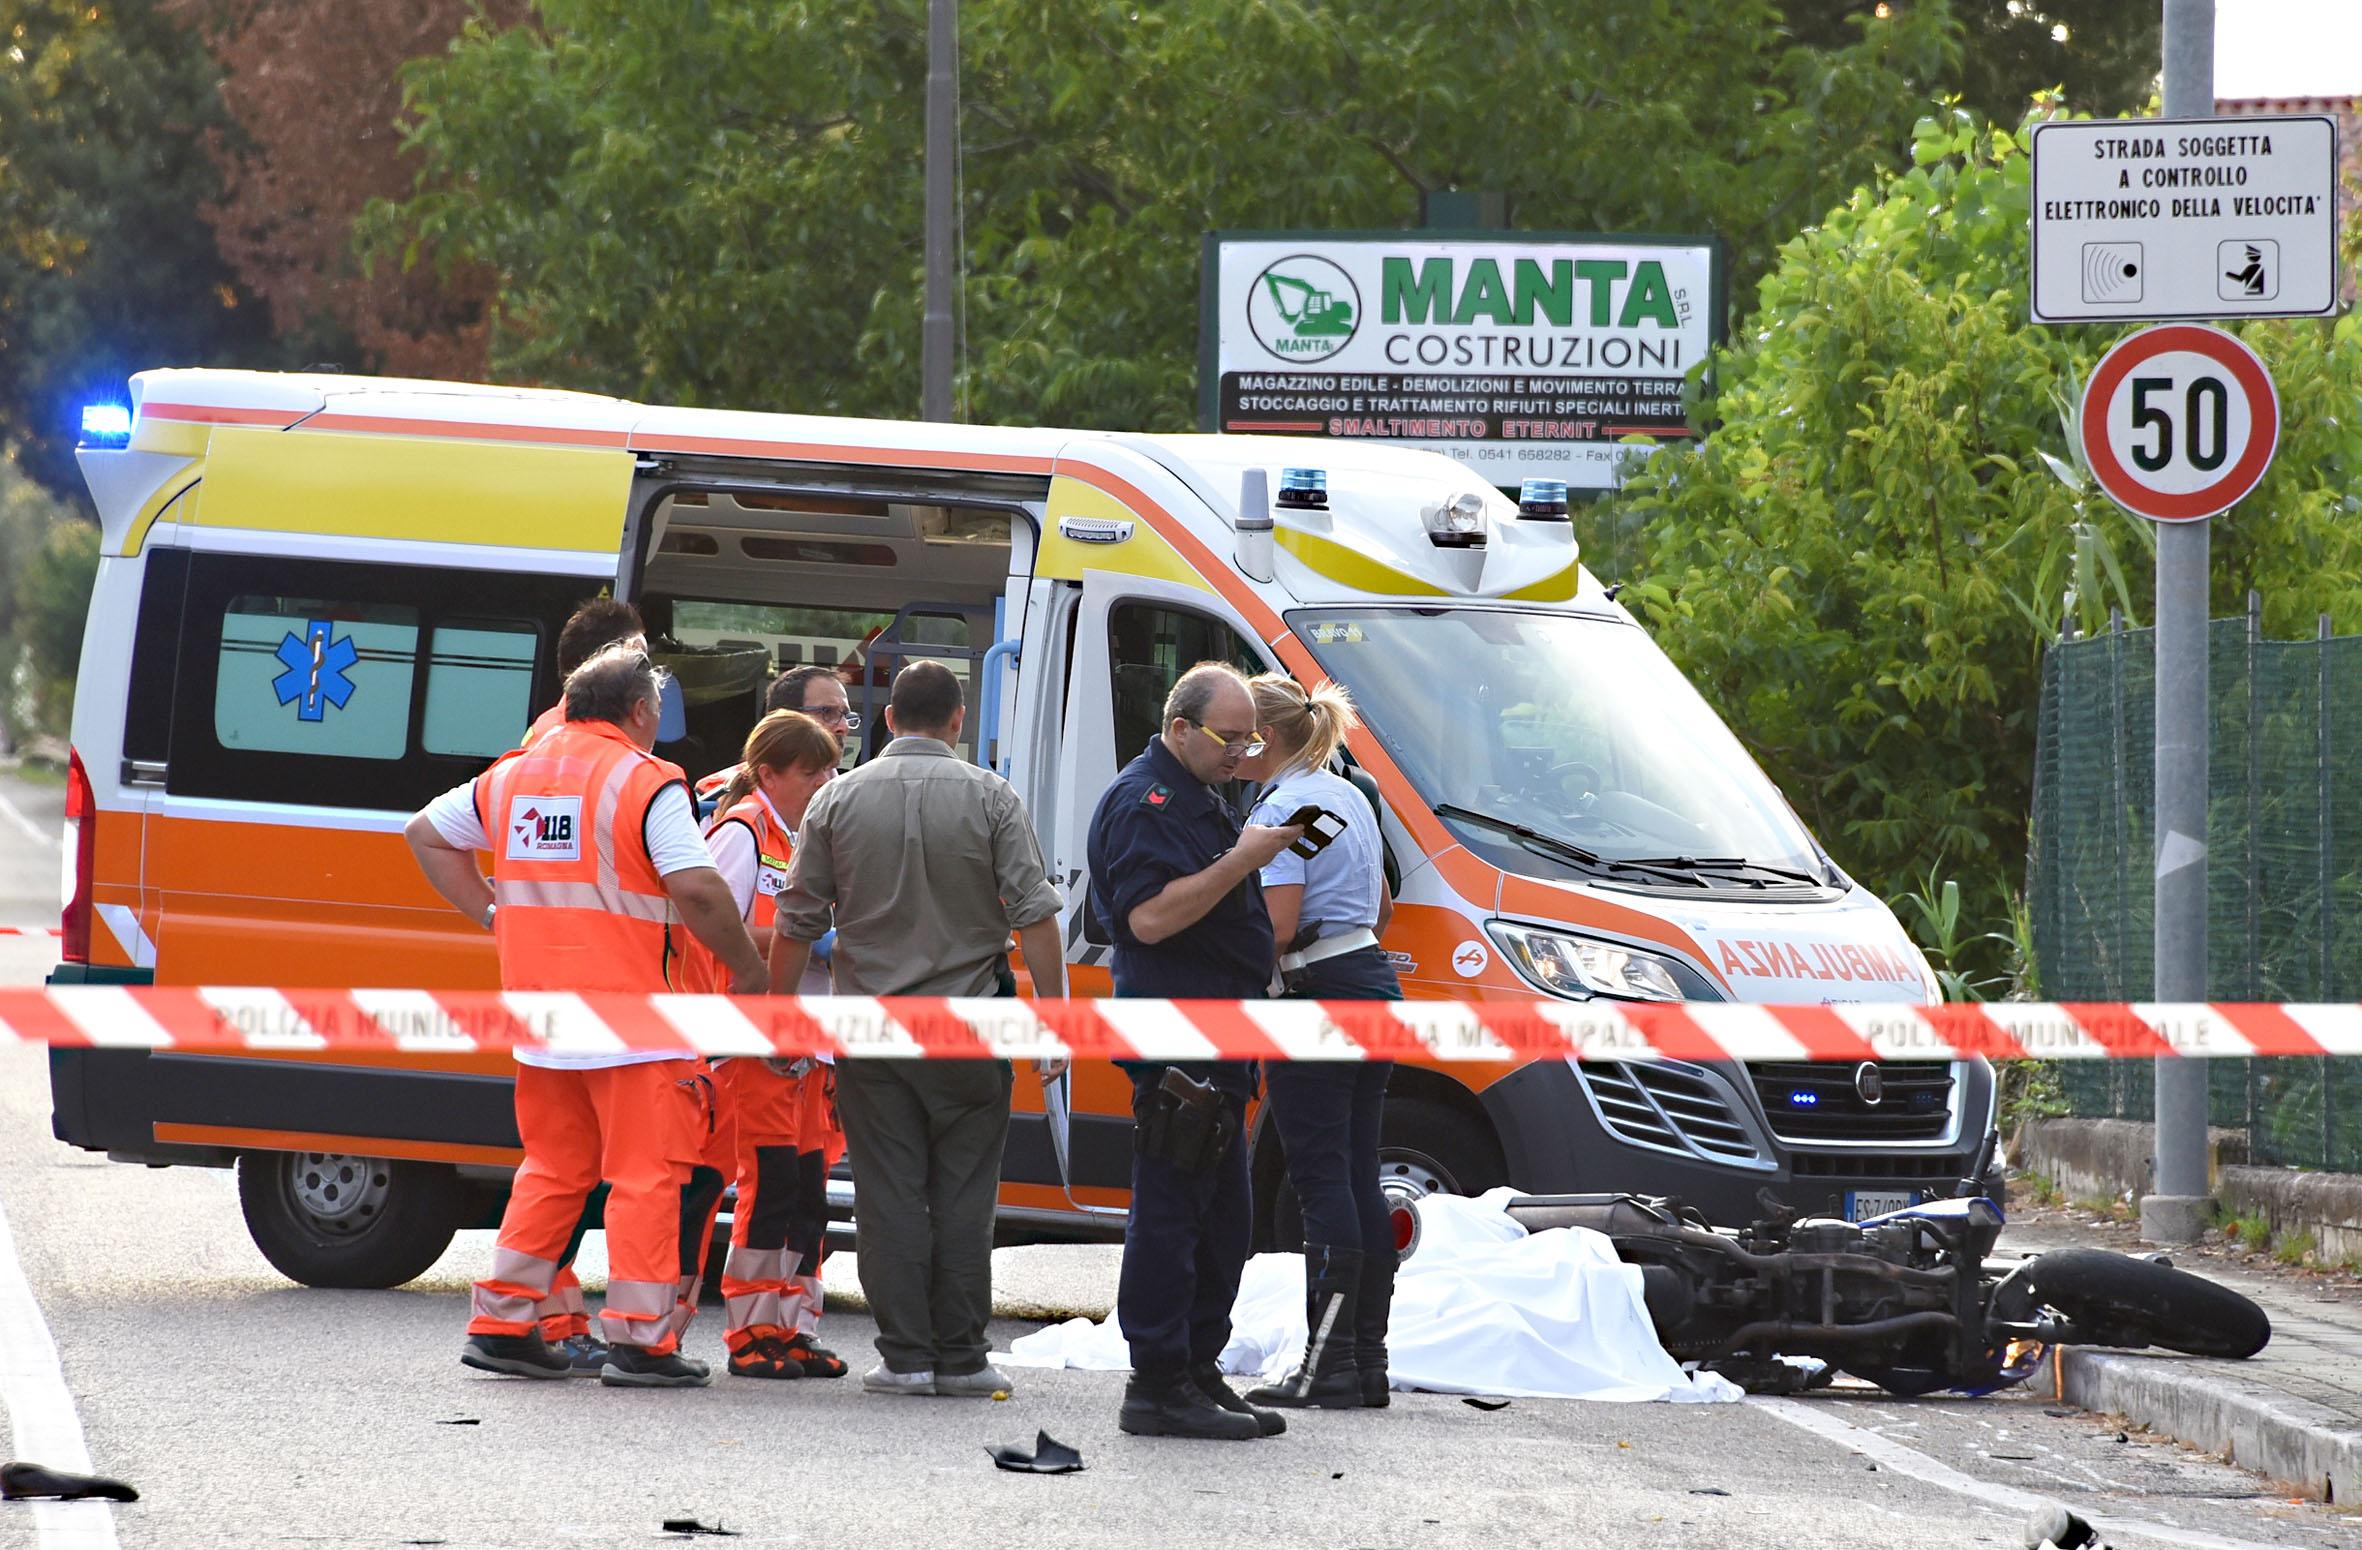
324, 599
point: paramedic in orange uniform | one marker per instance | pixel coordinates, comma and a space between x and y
780, 1114
594, 850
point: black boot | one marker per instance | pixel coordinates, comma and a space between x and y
1326, 1376
1208, 1377
1173, 1407
1369, 1326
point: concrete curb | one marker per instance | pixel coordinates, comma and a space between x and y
2208, 1405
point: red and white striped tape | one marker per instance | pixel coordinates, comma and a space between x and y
28, 931
449, 1022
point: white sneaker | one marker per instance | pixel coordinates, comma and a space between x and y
882, 1379
980, 1384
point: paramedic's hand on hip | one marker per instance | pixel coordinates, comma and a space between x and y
711, 913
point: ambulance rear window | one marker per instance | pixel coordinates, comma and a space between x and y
344, 669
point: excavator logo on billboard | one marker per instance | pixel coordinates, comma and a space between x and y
1304, 308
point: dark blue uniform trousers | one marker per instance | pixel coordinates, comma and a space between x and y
1185, 1249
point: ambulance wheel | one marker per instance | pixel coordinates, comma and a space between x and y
325, 1219
1424, 1148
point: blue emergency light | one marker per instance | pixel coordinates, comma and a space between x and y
1801, 1099
106, 424
1542, 500
1305, 489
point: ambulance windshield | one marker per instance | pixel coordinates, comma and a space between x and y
1556, 744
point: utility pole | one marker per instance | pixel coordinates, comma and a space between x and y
2179, 1208
943, 101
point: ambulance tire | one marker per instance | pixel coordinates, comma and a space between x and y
350, 1222
1424, 1147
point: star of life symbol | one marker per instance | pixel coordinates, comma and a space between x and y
315, 674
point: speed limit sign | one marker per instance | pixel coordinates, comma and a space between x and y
2178, 422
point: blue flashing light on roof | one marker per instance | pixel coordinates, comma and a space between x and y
106, 424
1542, 500
1304, 488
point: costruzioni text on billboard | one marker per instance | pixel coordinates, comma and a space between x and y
1519, 354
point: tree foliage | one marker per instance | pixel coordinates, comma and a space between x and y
1863, 562
2100, 57
104, 266
718, 203
312, 89
48, 557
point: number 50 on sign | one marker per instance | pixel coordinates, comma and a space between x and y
2178, 422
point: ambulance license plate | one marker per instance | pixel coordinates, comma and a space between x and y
1862, 1204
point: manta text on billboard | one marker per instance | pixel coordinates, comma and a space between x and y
1520, 354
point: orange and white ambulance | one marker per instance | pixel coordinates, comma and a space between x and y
324, 599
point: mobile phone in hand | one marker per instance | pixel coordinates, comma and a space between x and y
1321, 828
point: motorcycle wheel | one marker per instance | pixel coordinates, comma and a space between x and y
2162, 1306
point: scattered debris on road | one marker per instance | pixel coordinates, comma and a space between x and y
21, 1482
1048, 1456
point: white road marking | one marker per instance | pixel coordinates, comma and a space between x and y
41, 1411
38, 835
1907, 1460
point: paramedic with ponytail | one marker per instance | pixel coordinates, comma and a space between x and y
1327, 912
782, 1135
596, 864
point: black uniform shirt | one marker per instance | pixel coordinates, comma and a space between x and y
1156, 824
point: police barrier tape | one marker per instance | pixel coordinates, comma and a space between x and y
457, 1022
28, 931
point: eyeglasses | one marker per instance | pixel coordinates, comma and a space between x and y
1247, 745
831, 715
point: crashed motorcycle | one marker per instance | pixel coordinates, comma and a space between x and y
1914, 1301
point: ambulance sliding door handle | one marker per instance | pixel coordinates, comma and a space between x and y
144, 772
1058, 1109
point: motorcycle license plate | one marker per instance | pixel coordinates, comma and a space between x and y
1862, 1204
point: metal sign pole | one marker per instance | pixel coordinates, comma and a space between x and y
935, 326
2179, 1209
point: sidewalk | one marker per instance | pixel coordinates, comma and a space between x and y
2293, 1412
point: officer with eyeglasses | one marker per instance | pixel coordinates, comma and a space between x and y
1174, 880
816, 692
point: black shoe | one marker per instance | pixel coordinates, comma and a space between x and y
1210, 1382
1328, 1376
521, 1356
636, 1367
1370, 1316
1173, 1407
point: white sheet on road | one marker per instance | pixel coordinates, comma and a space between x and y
1483, 1307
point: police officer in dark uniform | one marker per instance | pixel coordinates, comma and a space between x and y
1173, 878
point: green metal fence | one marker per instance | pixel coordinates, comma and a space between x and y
2284, 839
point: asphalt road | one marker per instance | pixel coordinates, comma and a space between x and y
32, 815
250, 1412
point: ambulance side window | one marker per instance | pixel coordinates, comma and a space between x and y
479, 686
1148, 647
335, 683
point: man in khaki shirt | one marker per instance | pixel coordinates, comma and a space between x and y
929, 863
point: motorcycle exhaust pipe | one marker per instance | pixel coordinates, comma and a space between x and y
1778, 1330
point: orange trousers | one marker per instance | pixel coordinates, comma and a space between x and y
778, 1139
642, 1128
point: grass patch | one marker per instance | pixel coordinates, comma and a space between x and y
39, 772
2249, 1232
2040, 1188
2294, 1249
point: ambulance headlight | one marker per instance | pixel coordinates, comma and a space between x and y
1458, 523
1582, 967
105, 425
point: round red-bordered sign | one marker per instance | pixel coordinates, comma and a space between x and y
2213, 386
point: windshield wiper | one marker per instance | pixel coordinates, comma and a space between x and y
1566, 850
1727, 864
1552, 845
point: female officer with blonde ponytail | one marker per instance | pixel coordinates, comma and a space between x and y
1327, 912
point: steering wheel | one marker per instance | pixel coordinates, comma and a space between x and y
1578, 777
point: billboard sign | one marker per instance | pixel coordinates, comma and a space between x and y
1521, 354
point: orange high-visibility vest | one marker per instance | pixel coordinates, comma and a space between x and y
582, 907
698, 968
544, 724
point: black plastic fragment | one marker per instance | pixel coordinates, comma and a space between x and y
692, 1526
1487, 1404
20, 1481
1048, 1456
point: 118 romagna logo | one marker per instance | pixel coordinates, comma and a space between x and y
1304, 308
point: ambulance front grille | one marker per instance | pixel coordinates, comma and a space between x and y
1669, 1105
